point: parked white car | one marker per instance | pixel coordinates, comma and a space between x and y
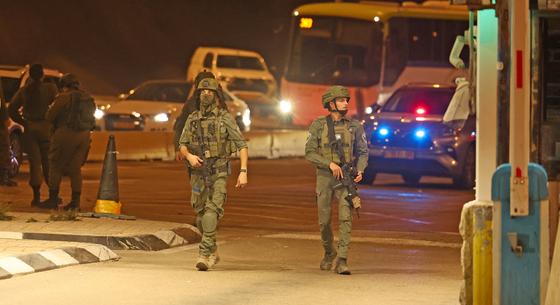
241, 70
12, 78
155, 105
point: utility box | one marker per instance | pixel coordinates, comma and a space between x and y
520, 243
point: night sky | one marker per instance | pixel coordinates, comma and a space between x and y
114, 45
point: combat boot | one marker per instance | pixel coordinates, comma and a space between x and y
213, 259
5, 178
341, 267
74, 203
203, 263
52, 202
326, 263
36, 201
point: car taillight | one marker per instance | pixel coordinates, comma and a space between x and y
420, 111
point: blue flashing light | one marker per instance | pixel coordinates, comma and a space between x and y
420, 133
383, 131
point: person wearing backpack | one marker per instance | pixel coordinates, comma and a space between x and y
72, 118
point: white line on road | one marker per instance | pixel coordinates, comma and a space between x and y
378, 240
412, 220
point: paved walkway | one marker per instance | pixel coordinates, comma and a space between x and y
32, 242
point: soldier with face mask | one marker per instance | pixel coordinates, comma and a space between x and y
319, 150
209, 137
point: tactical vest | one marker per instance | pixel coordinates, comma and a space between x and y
346, 135
214, 135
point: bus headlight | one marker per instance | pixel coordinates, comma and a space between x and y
285, 107
161, 117
98, 114
247, 117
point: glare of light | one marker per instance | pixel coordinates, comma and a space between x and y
161, 117
247, 118
436, 85
285, 106
420, 111
420, 133
98, 114
383, 131
420, 119
306, 23
453, 162
376, 19
473, 134
296, 13
369, 110
374, 123
136, 114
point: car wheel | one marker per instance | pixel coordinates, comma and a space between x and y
468, 175
411, 179
17, 153
368, 177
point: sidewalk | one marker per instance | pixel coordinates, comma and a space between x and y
31, 242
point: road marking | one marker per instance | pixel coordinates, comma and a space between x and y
377, 240
185, 248
11, 235
412, 220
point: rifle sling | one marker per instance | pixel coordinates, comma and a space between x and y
334, 143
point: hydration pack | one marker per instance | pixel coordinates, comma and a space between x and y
81, 112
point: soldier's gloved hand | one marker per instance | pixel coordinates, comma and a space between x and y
194, 160
336, 170
359, 177
241, 180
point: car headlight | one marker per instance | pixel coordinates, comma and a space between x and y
369, 110
161, 117
285, 106
98, 114
247, 117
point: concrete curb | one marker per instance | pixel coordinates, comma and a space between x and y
161, 240
54, 259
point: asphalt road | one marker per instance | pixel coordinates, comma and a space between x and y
405, 246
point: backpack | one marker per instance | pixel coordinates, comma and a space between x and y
81, 112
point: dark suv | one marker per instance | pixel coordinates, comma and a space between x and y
407, 137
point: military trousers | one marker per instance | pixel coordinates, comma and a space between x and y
208, 203
67, 154
36, 142
325, 191
5, 150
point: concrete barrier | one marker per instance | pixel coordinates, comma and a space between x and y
138, 145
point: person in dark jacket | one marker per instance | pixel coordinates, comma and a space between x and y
28, 108
72, 117
5, 149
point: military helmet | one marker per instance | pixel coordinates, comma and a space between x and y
69, 80
208, 83
333, 93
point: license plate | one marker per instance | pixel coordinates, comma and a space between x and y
123, 125
399, 154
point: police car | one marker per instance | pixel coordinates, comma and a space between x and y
407, 136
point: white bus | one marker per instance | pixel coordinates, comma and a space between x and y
370, 47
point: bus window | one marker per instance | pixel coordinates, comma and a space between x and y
420, 42
336, 51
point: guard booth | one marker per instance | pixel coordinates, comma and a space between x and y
525, 259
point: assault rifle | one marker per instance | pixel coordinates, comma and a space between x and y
349, 171
206, 169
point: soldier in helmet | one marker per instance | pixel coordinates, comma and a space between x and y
320, 152
188, 108
28, 108
209, 137
72, 118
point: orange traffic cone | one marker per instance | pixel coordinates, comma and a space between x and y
108, 203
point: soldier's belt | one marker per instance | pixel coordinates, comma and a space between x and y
212, 171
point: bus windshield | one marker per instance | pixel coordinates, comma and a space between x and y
329, 50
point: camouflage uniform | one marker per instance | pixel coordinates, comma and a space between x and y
221, 137
36, 135
69, 144
319, 152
